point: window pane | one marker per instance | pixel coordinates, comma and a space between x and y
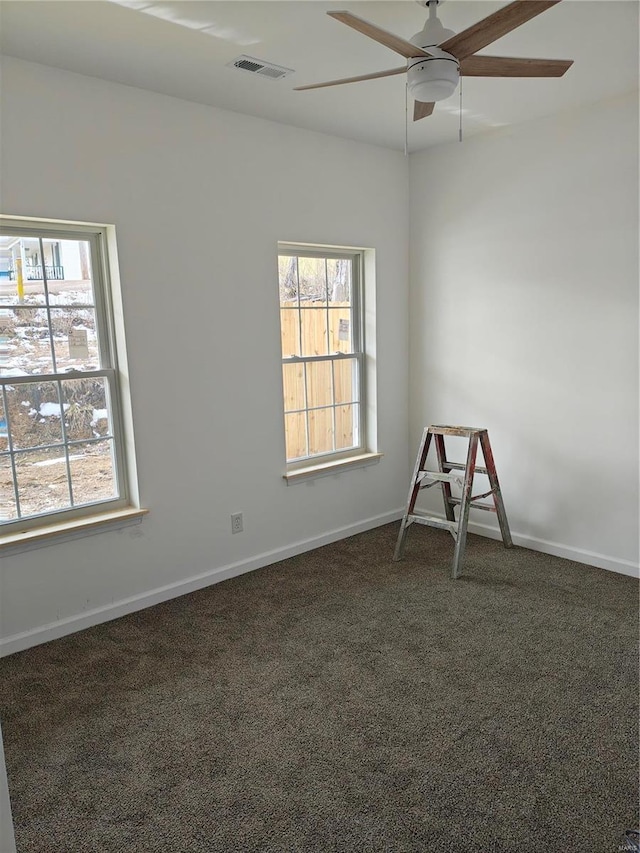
293, 382
67, 267
345, 380
347, 427
339, 281
312, 280
86, 408
42, 481
34, 414
74, 338
92, 472
314, 331
319, 384
321, 431
25, 347
295, 435
7, 495
288, 280
340, 332
290, 331
4, 435
69, 279
22, 279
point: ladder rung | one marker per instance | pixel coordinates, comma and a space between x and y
483, 495
487, 507
460, 466
432, 521
440, 476
424, 485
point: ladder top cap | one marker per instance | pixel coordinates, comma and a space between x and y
442, 429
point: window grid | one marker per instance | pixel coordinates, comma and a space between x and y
353, 401
292, 412
65, 444
59, 444
114, 493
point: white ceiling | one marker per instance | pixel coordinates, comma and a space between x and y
156, 46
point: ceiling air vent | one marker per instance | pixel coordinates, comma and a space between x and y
258, 66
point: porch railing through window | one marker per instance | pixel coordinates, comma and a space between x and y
34, 273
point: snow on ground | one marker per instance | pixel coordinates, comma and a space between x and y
48, 410
45, 462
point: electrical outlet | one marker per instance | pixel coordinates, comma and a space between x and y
236, 522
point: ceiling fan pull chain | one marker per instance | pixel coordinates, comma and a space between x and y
460, 127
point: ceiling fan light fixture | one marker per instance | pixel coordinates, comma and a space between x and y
433, 78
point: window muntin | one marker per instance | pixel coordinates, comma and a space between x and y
322, 352
61, 442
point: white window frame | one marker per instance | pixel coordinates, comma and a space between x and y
327, 462
124, 504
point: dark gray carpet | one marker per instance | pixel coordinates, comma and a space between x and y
338, 701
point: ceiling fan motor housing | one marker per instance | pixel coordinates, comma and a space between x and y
433, 78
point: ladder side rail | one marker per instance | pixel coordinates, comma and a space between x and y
414, 490
497, 492
446, 487
463, 519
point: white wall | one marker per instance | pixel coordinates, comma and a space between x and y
200, 198
524, 319
524, 315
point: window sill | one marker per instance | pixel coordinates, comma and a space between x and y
336, 466
63, 531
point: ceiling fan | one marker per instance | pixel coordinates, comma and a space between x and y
437, 57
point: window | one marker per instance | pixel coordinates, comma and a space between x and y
321, 301
61, 433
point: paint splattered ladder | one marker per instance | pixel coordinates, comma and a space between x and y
423, 479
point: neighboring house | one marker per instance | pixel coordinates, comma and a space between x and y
60, 260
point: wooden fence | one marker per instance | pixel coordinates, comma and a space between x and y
314, 330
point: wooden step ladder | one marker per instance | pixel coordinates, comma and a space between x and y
424, 479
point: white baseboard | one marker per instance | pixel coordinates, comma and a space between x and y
578, 555
87, 619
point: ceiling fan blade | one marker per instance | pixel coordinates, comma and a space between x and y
421, 109
374, 76
507, 66
495, 26
404, 48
